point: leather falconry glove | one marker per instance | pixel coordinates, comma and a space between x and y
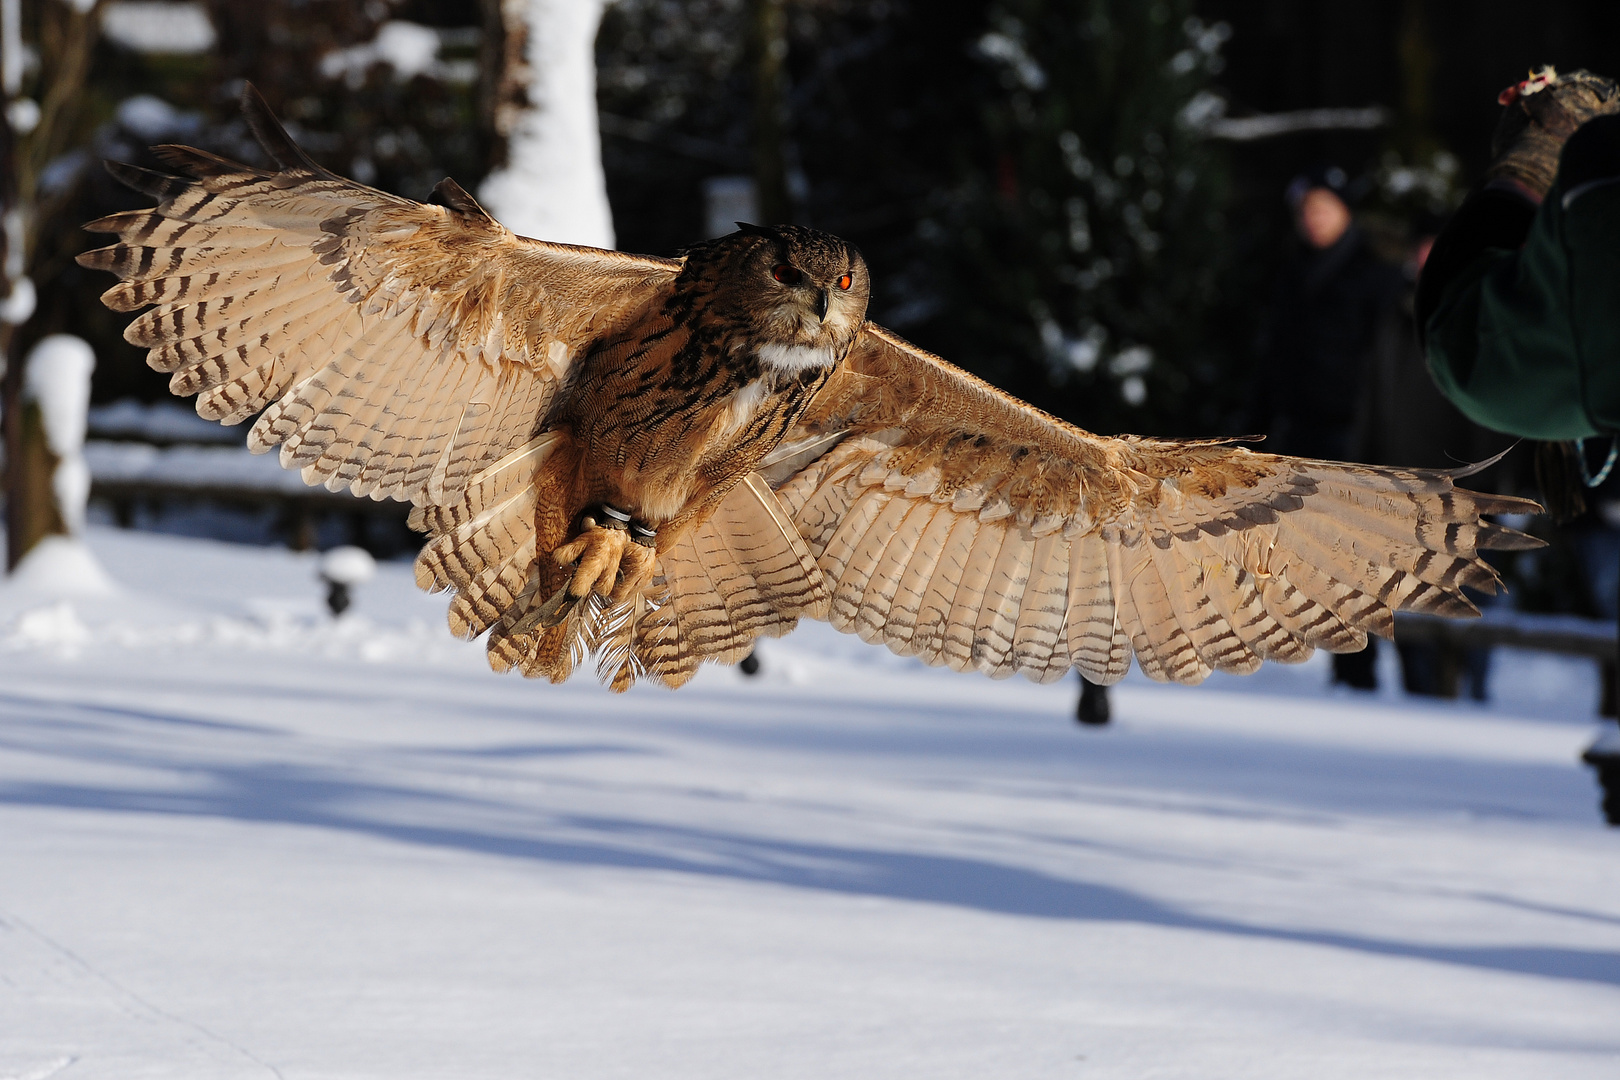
1541, 113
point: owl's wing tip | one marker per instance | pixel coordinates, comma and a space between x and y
272, 135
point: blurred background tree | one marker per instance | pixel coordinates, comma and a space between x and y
45, 64
387, 93
1026, 176
1082, 253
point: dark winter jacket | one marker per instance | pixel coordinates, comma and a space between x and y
1520, 305
1322, 325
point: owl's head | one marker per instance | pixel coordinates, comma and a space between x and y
802, 291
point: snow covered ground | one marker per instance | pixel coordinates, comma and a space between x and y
238, 839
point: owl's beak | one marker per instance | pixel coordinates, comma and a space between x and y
823, 303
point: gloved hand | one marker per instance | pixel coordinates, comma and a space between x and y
1540, 114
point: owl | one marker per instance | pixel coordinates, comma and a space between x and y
655, 462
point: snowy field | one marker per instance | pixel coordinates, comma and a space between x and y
238, 839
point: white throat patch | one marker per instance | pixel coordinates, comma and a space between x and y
792, 359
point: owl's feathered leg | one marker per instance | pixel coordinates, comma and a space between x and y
612, 556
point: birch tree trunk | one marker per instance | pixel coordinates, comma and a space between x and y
548, 181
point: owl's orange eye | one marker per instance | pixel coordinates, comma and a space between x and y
786, 274
846, 281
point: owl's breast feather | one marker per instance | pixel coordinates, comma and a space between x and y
740, 411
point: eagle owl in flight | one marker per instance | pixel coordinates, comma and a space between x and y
658, 461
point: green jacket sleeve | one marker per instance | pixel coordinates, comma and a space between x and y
1527, 341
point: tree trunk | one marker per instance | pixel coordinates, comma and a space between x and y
503, 76
66, 43
31, 510
768, 56
549, 182
18, 506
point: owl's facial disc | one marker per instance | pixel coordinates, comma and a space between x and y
792, 287
817, 291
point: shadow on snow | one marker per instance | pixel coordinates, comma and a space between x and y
284, 794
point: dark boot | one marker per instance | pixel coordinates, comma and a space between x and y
1358, 670
1093, 710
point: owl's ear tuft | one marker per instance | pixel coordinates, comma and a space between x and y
757, 230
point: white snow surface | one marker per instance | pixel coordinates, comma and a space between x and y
191, 466
552, 187
241, 839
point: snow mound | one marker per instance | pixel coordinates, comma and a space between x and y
60, 566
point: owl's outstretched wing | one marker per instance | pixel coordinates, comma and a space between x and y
390, 347
953, 522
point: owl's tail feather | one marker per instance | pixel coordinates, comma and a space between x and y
487, 547
742, 574
548, 652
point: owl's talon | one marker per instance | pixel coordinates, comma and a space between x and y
549, 614
612, 556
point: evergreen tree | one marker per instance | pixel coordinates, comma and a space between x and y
1080, 261
386, 93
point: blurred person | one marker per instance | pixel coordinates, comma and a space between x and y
1517, 302
1330, 299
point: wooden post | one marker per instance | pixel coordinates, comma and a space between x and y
1610, 705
